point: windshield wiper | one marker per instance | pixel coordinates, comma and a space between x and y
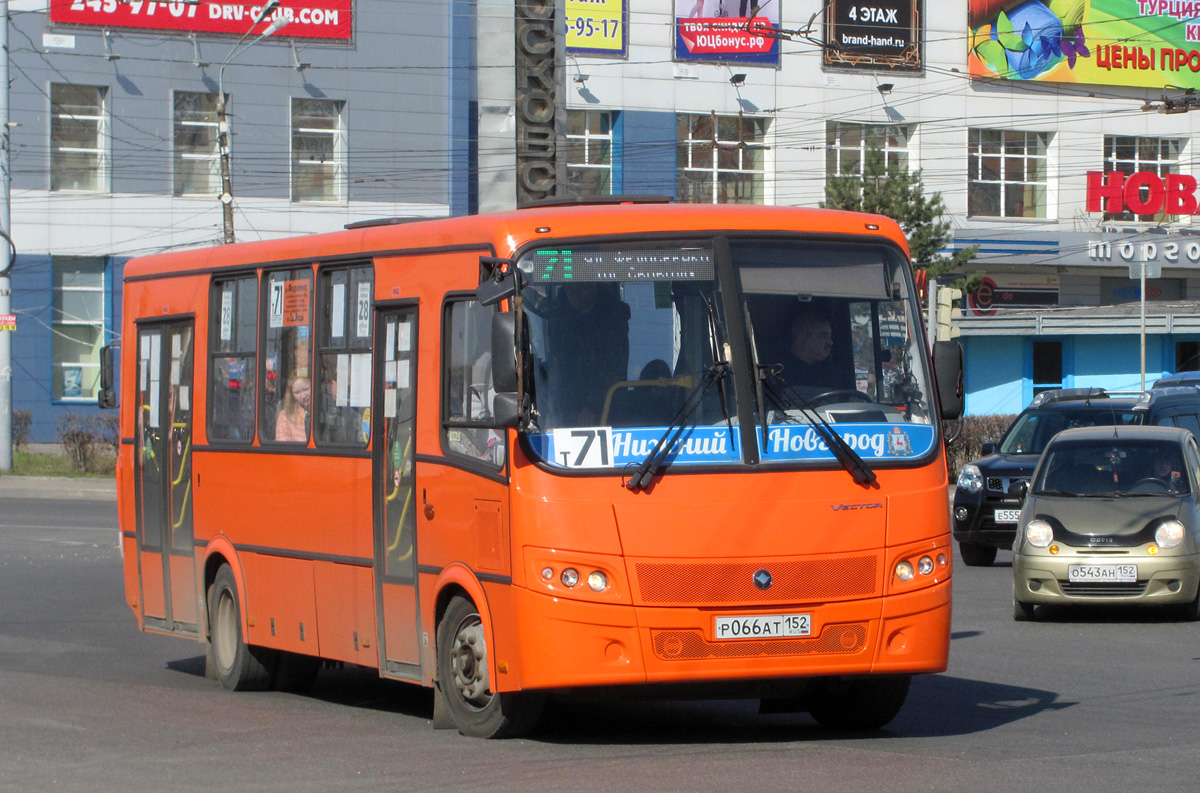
1055, 493
644, 474
784, 396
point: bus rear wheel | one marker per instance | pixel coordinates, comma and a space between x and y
239, 666
862, 703
464, 682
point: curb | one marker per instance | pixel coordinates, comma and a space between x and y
50, 487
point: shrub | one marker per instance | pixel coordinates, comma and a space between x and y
91, 442
22, 424
974, 431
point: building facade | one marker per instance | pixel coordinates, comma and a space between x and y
414, 108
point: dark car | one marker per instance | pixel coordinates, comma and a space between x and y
1111, 519
1177, 379
986, 505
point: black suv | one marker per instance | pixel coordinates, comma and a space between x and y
986, 500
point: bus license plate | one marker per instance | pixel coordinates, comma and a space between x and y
763, 626
1117, 573
1008, 515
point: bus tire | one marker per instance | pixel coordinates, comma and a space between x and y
863, 703
462, 666
239, 666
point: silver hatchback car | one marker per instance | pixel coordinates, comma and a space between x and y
1111, 518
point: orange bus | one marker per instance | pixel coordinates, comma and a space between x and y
623, 446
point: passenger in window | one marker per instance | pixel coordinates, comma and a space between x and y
807, 363
292, 423
588, 326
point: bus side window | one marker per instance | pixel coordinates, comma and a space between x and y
342, 396
232, 359
467, 427
284, 412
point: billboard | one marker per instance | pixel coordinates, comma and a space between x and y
1142, 43
727, 31
879, 37
316, 19
597, 27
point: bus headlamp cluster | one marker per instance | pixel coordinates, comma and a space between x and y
597, 580
909, 569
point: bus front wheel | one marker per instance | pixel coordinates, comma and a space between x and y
861, 703
239, 666
464, 680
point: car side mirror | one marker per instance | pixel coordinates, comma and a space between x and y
107, 398
506, 402
948, 370
1019, 489
987, 448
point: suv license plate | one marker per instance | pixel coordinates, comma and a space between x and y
1117, 573
1007, 515
763, 626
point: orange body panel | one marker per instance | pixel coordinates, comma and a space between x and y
298, 529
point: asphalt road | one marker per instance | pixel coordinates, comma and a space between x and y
1082, 702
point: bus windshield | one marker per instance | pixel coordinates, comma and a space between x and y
621, 335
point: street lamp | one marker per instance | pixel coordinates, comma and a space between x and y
223, 122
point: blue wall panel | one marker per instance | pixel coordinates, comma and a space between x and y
995, 374
648, 153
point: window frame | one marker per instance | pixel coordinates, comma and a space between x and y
1162, 167
977, 157
215, 353
338, 159
321, 347
102, 172
834, 148
587, 139
450, 300
178, 156
686, 148
100, 325
264, 328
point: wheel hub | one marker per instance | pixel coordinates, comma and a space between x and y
469, 661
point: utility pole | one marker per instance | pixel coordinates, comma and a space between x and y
8, 255
223, 141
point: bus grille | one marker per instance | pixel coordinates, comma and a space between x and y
703, 583
1103, 588
691, 645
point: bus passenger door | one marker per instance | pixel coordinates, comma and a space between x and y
163, 473
395, 493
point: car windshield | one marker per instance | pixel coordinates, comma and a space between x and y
620, 335
1113, 467
1033, 429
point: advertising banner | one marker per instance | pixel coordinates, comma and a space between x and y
873, 37
1144, 43
1013, 291
317, 19
597, 27
727, 31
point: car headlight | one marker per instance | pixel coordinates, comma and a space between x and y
1039, 533
970, 479
1169, 534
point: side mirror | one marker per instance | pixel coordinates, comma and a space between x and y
107, 398
504, 282
1019, 489
948, 371
506, 409
987, 448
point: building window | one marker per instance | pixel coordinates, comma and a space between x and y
1131, 155
77, 324
197, 154
720, 159
78, 137
318, 150
1006, 173
846, 147
589, 153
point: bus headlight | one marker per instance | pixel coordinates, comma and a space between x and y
598, 581
1169, 534
904, 571
970, 480
1039, 533
569, 577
